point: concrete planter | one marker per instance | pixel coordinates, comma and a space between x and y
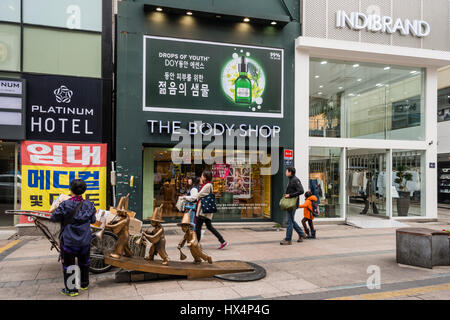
403, 203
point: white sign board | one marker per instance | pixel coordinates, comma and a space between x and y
10, 87
383, 24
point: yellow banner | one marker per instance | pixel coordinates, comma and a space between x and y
41, 185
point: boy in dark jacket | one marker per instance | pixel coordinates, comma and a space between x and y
75, 216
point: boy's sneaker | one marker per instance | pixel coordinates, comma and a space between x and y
69, 293
223, 245
84, 288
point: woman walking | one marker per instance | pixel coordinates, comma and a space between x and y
191, 198
202, 217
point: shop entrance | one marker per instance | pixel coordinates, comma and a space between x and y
366, 184
242, 192
10, 182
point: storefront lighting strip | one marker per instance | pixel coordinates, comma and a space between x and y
275, 21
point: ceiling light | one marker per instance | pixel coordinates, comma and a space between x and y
340, 88
379, 85
351, 94
319, 93
317, 77
324, 62
359, 80
273, 23
189, 13
355, 65
387, 68
218, 16
414, 72
246, 20
320, 87
159, 9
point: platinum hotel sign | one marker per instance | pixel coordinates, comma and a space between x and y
383, 24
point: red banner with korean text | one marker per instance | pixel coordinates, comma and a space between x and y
49, 167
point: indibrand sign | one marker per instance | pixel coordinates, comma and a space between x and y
384, 24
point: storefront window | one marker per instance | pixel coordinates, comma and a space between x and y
9, 47
366, 185
408, 183
324, 180
240, 189
444, 105
366, 101
62, 52
10, 182
71, 14
10, 11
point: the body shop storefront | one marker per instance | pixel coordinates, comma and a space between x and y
204, 91
366, 102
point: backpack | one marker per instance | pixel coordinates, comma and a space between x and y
316, 211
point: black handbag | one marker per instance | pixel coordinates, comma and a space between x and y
209, 203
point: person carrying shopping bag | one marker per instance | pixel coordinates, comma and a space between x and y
191, 199
206, 207
289, 203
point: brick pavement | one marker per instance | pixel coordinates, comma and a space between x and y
338, 260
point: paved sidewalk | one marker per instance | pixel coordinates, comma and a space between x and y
329, 267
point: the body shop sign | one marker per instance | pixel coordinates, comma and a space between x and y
189, 76
64, 108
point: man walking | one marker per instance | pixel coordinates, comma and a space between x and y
294, 189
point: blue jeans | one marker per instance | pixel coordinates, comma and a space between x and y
192, 216
291, 224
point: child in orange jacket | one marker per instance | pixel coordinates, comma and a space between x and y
308, 214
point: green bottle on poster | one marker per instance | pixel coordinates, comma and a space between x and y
243, 85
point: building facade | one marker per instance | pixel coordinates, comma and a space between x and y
56, 87
366, 104
177, 68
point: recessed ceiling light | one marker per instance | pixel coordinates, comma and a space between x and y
324, 62
319, 93
159, 9
320, 87
189, 13
340, 88
351, 94
317, 77
355, 65
273, 23
359, 80
246, 20
379, 85
218, 16
387, 68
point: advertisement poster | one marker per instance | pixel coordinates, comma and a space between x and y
64, 108
191, 76
48, 169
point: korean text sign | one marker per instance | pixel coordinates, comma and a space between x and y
191, 76
48, 168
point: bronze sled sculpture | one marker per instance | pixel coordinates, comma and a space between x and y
120, 256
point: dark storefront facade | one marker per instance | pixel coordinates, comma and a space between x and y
209, 70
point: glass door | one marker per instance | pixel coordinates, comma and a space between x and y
366, 183
10, 182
